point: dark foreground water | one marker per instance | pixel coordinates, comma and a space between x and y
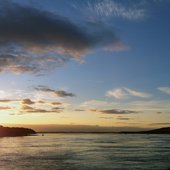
85, 152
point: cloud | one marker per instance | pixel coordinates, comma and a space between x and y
93, 110
57, 108
57, 93
24, 106
5, 107
23, 101
149, 105
40, 111
114, 111
106, 117
158, 112
28, 109
5, 100
121, 93
43, 111
95, 103
137, 93
27, 101
27, 62
110, 8
49, 102
33, 40
146, 106
36, 29
56, 103
41, 101
160, 124
116, 93
123, 118
164, 89
79, 110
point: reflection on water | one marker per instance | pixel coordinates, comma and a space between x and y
85, 151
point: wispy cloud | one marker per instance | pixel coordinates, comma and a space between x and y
164, 89
57, 93
95, 103
57, 109
141, 106
106, 118
5, 100
123, 118
79, 110
153, 106
111, 8
56, 103
121, 93
5, 107
116, 93
137, 93
160, 124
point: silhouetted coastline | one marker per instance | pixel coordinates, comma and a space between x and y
15, 131
20, 131
165, 130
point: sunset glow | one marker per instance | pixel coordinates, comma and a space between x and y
80, 63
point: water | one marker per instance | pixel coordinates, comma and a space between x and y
85, 152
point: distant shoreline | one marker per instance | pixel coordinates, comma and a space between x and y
165, 130
20, 131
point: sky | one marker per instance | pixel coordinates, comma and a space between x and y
95, 63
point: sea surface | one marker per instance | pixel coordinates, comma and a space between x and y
85, 152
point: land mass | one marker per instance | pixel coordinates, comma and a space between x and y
15, 131
19, 131
165, 130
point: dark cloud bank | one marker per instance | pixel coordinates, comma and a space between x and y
33, 40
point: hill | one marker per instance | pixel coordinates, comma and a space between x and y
165, 130
15, 131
